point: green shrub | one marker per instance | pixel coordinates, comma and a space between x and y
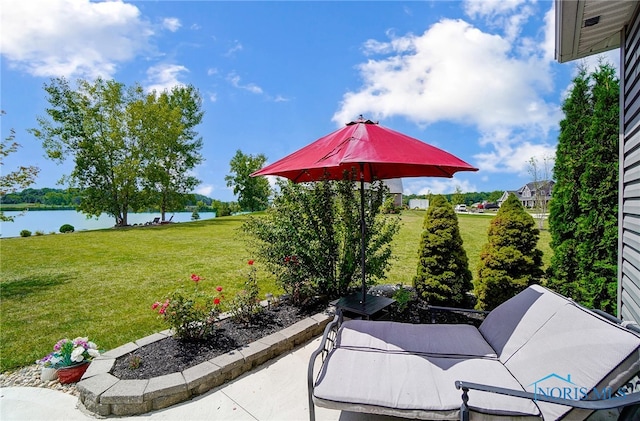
67, 228
510, 261
246, 304
25, 233
192, 316
39, 232
310, 237
443, 276
403, 296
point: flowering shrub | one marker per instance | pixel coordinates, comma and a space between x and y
67, 353
191, 316
246, 304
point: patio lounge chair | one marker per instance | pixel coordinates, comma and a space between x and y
534, 357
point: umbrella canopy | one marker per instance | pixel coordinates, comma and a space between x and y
383, 153
365, 151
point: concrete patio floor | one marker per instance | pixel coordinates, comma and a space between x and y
277, 390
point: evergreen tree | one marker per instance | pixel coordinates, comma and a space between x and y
597, 225
564, 209
510, 261
443, 276
584, 215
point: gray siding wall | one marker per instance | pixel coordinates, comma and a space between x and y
629, 226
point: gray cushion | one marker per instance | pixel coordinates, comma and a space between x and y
451, 340
575, 350
414, 385
510, 325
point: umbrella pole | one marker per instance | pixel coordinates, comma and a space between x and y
363, 232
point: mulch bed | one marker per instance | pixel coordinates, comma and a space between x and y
171, 355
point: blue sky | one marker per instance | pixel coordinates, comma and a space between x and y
475, 78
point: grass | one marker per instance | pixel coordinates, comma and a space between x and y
473, 229
102, 283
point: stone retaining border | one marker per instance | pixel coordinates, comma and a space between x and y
104, 394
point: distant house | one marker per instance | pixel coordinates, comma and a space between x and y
395, 189
530, 192
418, 203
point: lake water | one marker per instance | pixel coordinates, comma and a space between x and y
49, 221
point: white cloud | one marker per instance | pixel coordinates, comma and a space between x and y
592, 62
72, 38
549, 44
212, 71
458, 73
172, 24
164, 77
237, 46
205, 189
213, 97
234, 79
491, 8
280, 98
453, 72
435, 185
511, 152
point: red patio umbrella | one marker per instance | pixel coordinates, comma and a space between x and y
371, 151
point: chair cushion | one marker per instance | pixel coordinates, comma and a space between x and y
423, 339
575, 350
510, 325
413, 385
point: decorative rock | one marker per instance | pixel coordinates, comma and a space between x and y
29, 376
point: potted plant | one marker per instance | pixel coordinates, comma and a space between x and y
47, 370
70, 358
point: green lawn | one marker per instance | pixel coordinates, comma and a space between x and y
473, 229
101, 284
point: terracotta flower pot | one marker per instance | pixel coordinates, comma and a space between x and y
72, 373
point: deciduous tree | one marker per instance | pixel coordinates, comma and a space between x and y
129, 148
253, 192
20, 178
165, 124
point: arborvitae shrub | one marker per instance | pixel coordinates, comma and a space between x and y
510, 261
443, 276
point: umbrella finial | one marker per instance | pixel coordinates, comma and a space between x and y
361, 119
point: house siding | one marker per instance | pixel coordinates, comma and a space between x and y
629, 204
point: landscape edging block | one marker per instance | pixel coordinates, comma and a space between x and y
125, 392
150, 339
105, 394
256, 353
166, 385
92, 388
123, 409
120, 351
97, 367
207, 373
